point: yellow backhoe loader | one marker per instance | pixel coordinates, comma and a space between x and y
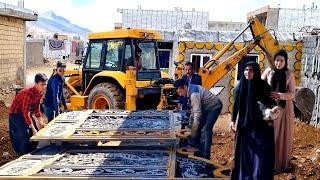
119, 71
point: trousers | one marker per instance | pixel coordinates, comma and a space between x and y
20, 134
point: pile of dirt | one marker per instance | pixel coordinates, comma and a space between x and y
3, 110
6, 151
6, 91
222, 138
306, 154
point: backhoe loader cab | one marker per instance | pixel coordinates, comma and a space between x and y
109, 55
114, 51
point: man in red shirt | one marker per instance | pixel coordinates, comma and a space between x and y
21, 125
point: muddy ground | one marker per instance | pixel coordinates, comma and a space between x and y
306, 154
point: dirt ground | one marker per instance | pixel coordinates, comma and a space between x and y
4, 136
306, 154
47, 69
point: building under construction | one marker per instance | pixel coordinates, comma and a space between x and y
195, 41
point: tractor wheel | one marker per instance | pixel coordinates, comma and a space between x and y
106, 96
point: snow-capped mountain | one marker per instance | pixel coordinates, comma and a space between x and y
49, 23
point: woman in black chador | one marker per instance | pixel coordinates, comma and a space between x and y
254, 142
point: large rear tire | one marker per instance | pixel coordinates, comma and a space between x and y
106, 96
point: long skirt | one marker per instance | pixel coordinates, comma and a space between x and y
254, 153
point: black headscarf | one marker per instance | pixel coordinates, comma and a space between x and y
279, 78
247, 96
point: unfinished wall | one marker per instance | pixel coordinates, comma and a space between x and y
11, 51
293, 20
272, 19
164, 19
288, 20
226, 26
186, 48
34, 52
311, 73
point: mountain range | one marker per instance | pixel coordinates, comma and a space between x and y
49, 23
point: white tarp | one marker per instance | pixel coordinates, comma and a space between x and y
198, 36
225, 36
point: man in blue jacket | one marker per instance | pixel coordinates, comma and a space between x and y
191, 78
54, 92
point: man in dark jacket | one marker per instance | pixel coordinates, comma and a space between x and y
191, 78
54, 93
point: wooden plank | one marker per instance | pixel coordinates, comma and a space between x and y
15, 168
46, 163
70, 129
172, 168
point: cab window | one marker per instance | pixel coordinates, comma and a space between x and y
94, 55
115, 50
148, 55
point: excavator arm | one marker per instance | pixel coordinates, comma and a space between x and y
210, 75
261, 37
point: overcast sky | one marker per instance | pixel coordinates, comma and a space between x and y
100, 15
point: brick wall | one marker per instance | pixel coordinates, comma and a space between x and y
11, 51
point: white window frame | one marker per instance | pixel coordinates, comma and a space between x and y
201, 57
